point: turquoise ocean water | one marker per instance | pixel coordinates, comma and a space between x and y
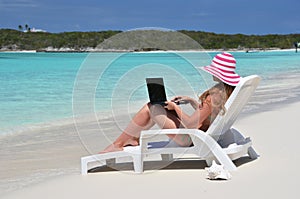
38, 88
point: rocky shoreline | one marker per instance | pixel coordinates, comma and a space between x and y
95, 50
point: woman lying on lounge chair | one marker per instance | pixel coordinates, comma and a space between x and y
171, 116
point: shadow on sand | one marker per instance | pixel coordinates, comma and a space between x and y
164, 165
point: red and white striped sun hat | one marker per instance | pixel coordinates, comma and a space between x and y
223, 67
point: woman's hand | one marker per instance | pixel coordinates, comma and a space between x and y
170, 105
181, 100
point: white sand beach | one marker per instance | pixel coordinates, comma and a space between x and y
274, 175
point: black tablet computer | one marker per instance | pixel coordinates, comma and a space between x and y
156, 90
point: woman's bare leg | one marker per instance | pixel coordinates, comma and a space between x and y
130, 135
148, 116
169, 120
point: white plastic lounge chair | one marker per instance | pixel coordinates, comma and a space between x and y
220, 142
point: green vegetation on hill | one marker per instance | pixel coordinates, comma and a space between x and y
17, 40
226, 41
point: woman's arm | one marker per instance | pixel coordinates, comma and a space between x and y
184, 100
191, 121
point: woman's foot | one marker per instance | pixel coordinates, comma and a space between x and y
131, 142
112, 148
119, 147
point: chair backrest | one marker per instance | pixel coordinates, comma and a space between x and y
234, 105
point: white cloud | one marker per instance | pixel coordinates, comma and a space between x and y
17, 4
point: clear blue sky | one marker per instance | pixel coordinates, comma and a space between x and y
219, 16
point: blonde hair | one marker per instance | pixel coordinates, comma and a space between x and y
219, 94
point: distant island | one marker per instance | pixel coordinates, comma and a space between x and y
15, 40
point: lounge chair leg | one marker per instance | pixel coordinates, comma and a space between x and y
209, 161
167, 157
138, 164
83, 167
252, 153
